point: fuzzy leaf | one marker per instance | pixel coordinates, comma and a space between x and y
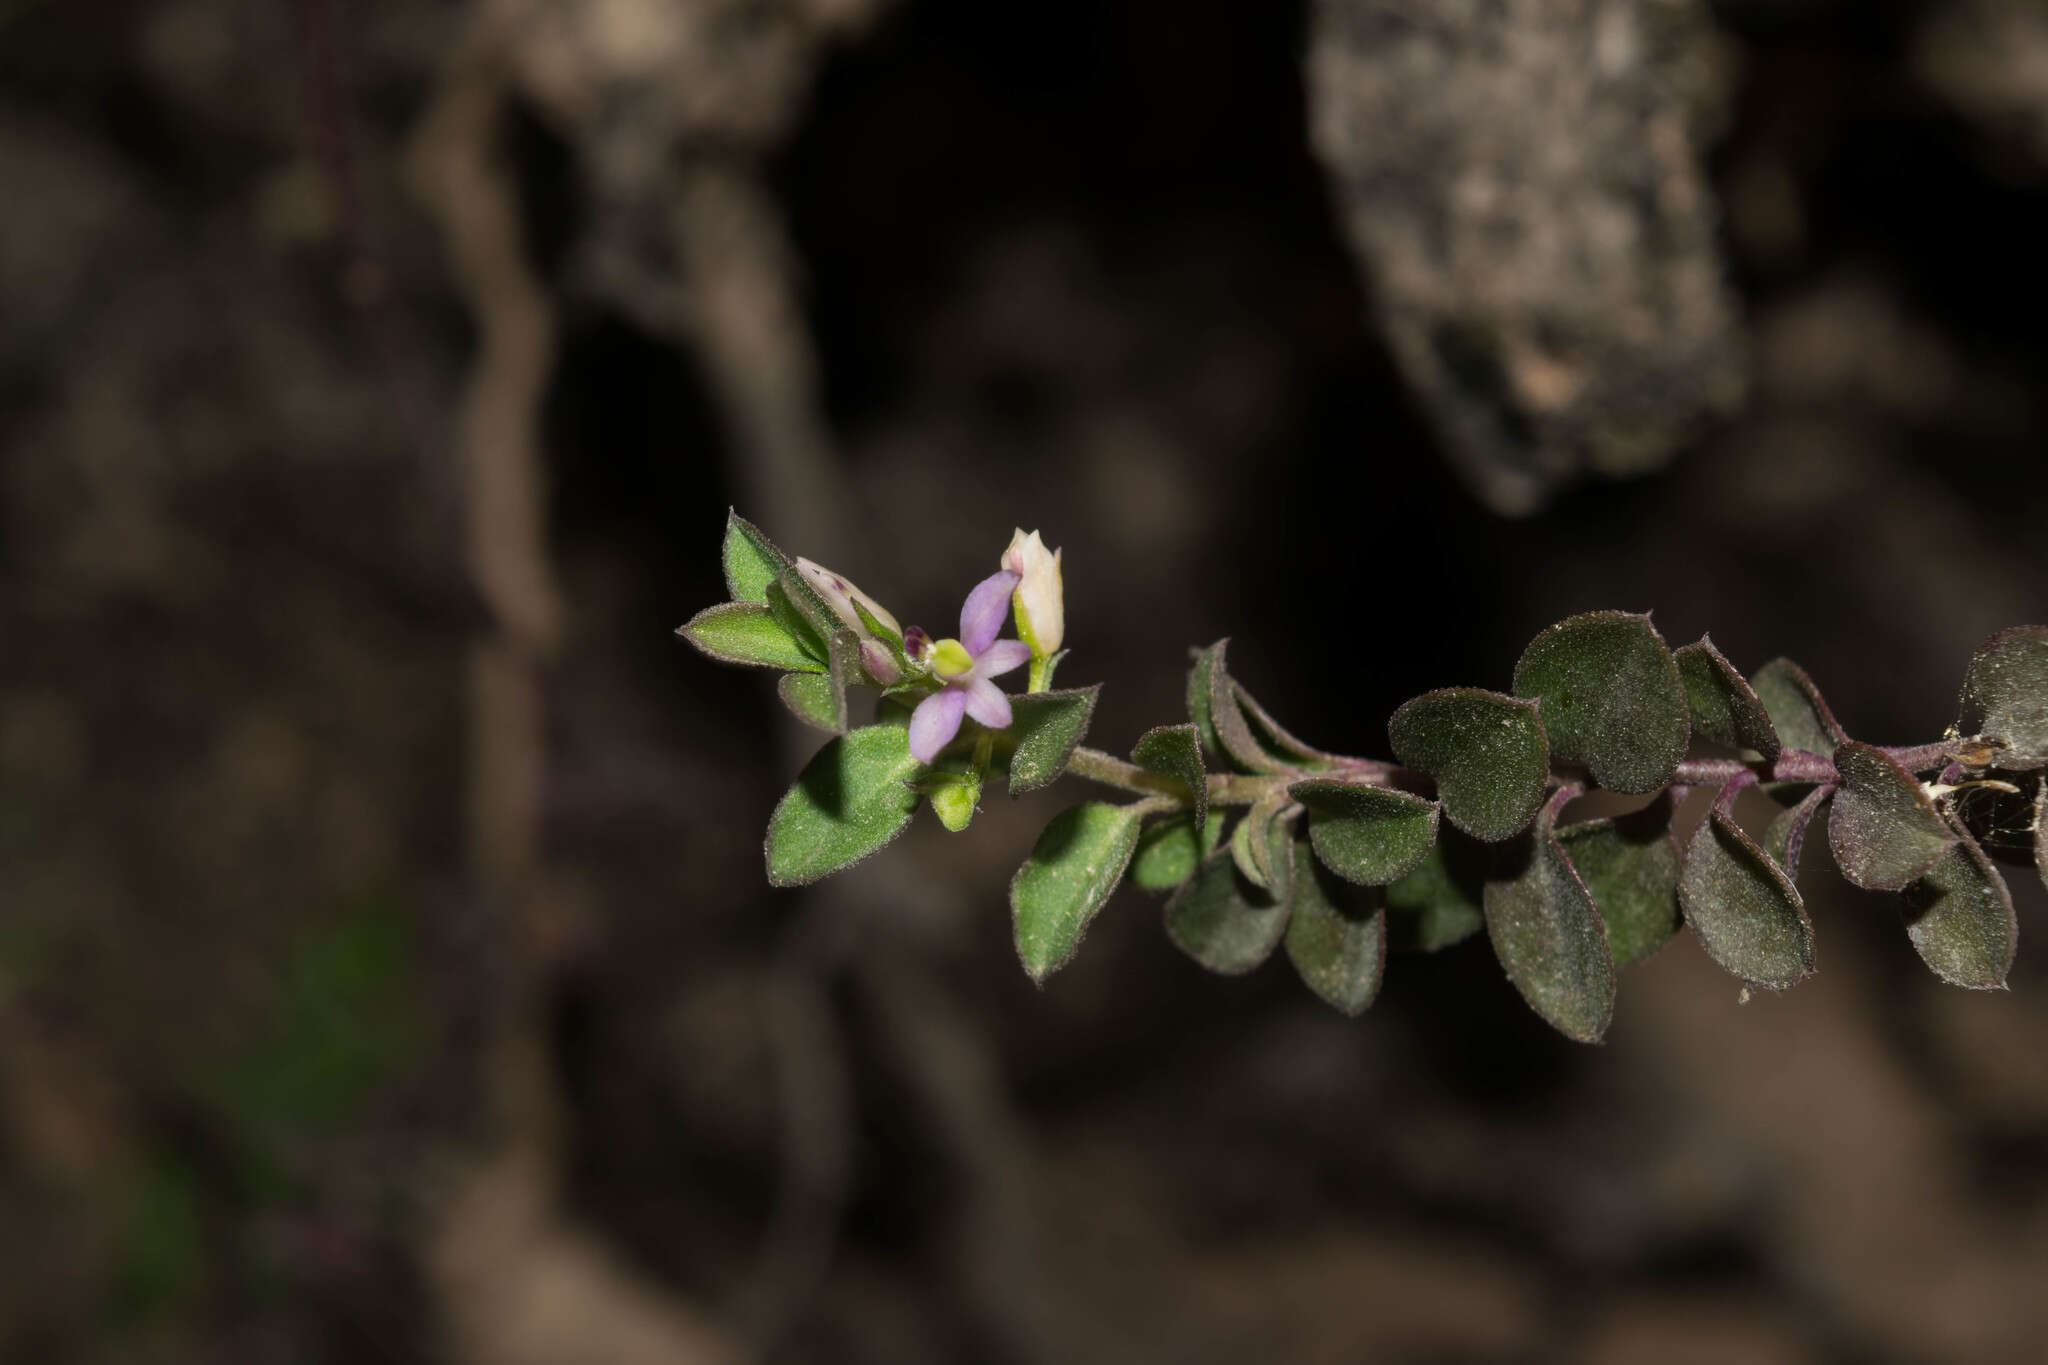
1486, 751
814, 699
2041, 833
1884, 829
820, 698
1630, 865
1960, 918
1611, 698
1072, 870
1742, 907
1233, 732
752, 561
1787, 834
1169, 850
1440, 902
1724, 708
743, 633
1279, 747
1368, 835
1207, 664
2005, 696
1336, 936
797, 607
1223, 921
851, 799
1047, 727
1548, 934
1261, 845
1176, 751
1799, 715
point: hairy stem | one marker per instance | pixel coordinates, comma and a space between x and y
1225, 789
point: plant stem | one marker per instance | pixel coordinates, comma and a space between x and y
1225, 789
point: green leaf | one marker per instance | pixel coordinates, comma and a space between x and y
797, 607
742, 633
1077, 862
1724, 708
1799, 715
1548, 934
1369, 835
1440, 903
1169, 851
1336, 936
1742, 907
1611, 698
1175, 751
1279, 747
851, 799
2005, 697
1045, 679
1227, 719
1208, 662
1223, 921
1884, 829
1047, 726
752, 561
1486, 752
816, 699
1262, 843
1787, 834
1960, 918
820, 699
1630, 865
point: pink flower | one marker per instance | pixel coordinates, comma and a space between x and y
966, 666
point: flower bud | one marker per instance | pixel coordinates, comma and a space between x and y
1039, 600
840, 594
880, 662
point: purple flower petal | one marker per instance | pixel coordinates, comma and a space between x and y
987, 704
981, 615
935, 721
1000, 657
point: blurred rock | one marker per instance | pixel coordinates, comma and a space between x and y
1523, 185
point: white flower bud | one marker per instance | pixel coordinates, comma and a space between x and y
1039, 600
840, 594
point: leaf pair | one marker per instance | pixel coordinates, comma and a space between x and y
1234, 730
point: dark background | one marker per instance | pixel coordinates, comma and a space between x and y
387, 972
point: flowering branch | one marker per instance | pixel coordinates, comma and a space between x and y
1340, 858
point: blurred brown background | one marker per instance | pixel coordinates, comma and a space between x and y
387, 971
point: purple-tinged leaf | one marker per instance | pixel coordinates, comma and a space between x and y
1884, 829
1486, 752
1725, 709
1799, 715
1440, 902
1611, 698
1960, 919
1369, 835
2005, 698
1262, 843
1630, 865
1207, 664
1273, 740
1787, 834
1222, 920
1240, 745
1336, 936
1740, 905
1547, 931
